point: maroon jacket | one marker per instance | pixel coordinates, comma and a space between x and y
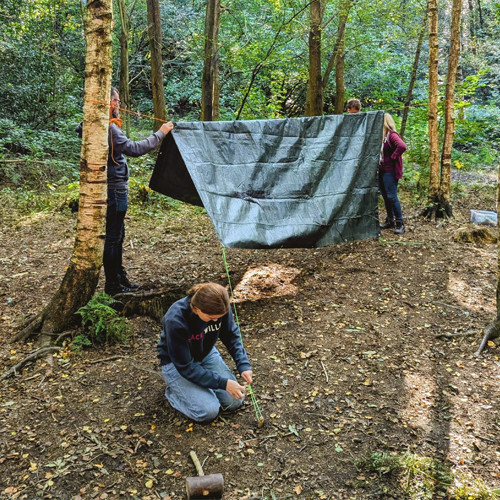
392, 149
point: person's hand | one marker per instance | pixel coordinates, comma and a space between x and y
236, 390
247, 376
166, 127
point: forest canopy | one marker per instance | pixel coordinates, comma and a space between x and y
263, 70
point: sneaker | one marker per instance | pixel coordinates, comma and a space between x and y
400, 227
388, 224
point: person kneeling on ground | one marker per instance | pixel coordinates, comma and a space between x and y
199, 383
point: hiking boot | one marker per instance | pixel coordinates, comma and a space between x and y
388, 224
117, 289
400, 227
124, 281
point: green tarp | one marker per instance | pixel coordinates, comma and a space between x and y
297, 182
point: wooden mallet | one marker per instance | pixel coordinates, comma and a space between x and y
211, 486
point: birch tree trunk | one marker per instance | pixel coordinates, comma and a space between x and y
314, 97
155, 44
210, 84
413, 76
449, 108
433, 109
80, 280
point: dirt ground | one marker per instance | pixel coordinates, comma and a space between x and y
349, 361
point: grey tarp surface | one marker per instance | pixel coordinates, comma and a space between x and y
297, 182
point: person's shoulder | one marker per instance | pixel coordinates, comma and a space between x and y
177, 311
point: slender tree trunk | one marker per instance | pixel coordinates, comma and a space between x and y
124, 60
339, 80
343, 15
155, 44
449, 107
472, 25
433, 109
81, 278
314, 97
480, 11
210, 84
413, 76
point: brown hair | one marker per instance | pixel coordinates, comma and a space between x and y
354, 104
209, 298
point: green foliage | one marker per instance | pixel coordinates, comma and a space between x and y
37, 157
102, 323
477, 138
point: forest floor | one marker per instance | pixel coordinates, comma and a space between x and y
362, 395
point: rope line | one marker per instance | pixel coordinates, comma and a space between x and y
108, 105
258, 412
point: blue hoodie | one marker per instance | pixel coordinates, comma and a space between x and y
186, 340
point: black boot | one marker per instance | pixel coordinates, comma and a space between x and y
115, 288
400, 227
388, 224
124, 281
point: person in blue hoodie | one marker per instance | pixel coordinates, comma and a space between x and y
118, 174
199, 383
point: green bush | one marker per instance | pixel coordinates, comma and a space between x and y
102, 323
36, 157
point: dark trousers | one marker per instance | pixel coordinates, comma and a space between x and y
115, 234
388, 185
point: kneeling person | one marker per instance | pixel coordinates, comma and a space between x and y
199, 382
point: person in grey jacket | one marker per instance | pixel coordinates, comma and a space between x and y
121, 146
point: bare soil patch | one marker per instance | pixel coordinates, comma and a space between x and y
350, 363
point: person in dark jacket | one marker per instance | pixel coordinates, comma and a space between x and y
390, 170
118, 174
199, 383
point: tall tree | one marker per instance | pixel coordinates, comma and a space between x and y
449, 108
210, 83
81, 278
314, 97
155, 44
339, 54
439, 204
432, 10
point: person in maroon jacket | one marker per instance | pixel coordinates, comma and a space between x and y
390, 170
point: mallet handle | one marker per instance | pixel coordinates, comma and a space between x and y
196, 462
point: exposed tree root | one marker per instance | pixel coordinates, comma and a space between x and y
152, 304
492, 331
453, 335
30, 329
33, 356
438, 209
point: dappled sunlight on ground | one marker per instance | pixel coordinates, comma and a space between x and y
270, 280
420, 390
470, 295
